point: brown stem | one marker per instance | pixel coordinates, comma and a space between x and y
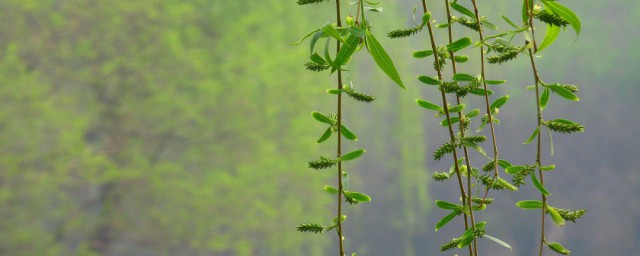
539, 112
465, 201
446, 109
339, 150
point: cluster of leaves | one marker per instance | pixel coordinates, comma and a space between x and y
350, 39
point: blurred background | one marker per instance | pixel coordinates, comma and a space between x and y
165, 127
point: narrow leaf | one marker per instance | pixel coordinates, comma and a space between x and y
544, 98
447, 205
331, 31
557, 247
428, 80
500, 242
330, 189
347, 50
565, 13
563, 92
463, 10
533, 136
358, 196
459, 45
306, 36
422, 54
515, 169
352, 155
446, 220
463, 77
461, 58
383, 60
499, 102
325, 135
429, 105
529, 204
555, 216
348, 134
538, 185
549, 37
321, 118
495, 81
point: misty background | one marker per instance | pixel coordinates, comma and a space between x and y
165, 127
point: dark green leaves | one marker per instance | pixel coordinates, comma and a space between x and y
352, 155
557, 247
530, 204
383, 60
322, 118
562, 91
539, 186
555, 216
447, 205
346, 50
463, 77
463, 10
428, 80
326, 135
303, 2
331, 31
347, 133
459, 45
565, 13
430, 106
422, 54
549, 37
447, 219
357, 196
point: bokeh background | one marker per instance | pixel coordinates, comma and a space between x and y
165, 127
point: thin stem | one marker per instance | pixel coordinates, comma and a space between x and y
465, 201
339, 150
446, 109
539, 112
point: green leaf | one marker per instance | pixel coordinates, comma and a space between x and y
383, 60
454, 120
321, 118
544, 99
358, 196
330, 189
446, 219
305, 37
500, 242
495, 81
463, 77
459, 45
422, 54
515, 169
346, 50
447, 205
480, 92
529, 204
347, 133
555, 216
499, 102
557, 247
538, 185
429, 80
533, 136
461, 58
563, 92
334, 91
429, 105
565, 13
425, 18
473, 113
325, 135
315, 39
509, 21
457, 108
352, 155
549, 37
463, 10
548, 167
331, 31
317, 59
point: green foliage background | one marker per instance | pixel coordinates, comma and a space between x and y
164, 127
